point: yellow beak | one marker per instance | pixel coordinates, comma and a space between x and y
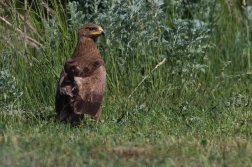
99, 32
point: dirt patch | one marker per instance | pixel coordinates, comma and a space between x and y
127, 152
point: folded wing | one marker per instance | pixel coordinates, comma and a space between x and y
81, 90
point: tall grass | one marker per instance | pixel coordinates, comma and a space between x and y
178, 84
205, 55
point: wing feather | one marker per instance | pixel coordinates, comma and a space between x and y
90, 92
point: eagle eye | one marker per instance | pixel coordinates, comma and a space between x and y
91, 28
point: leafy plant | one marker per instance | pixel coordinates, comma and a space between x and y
9, 91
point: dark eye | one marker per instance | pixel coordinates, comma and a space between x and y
91, 28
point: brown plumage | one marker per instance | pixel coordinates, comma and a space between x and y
82, 80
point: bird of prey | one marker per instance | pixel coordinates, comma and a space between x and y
83, 79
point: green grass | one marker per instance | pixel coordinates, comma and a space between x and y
152, 138
193, 110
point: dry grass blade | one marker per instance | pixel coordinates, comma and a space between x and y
159, 64
32, 41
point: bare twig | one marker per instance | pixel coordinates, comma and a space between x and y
9, 42
28, 24
25, 20
35, 42
159, 64
48, 9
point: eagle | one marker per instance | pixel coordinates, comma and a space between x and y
82, 82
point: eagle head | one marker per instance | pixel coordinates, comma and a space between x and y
91, 30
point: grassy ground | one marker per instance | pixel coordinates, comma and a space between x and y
192, 110
152, 138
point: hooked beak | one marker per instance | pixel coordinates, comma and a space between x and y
102, 33
99, 32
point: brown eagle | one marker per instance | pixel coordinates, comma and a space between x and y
83, 78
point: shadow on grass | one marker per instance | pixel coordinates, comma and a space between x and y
49, 116
43, 114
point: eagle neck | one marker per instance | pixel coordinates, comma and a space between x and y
85, 47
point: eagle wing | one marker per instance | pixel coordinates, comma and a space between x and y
83, 86
89, 92
64, 94
66, 83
